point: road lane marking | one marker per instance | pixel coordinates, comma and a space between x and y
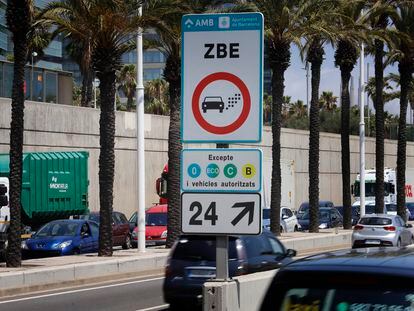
160, 307
80, 290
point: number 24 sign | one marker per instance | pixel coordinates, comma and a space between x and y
221, 213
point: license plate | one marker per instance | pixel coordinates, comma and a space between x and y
150, 243
373, 242
201, 273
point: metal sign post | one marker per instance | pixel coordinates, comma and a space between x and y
221, 102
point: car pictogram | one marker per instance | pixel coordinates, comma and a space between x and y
213, 102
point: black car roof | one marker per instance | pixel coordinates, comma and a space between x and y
380, 260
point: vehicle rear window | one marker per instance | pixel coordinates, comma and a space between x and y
156, 219
375, 221
201, 248
347, 299
93, 217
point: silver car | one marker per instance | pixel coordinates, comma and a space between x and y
288, 220
382, 230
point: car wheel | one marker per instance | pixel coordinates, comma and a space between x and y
412, 240
296, 229
281, 229
127, 244
76, 251
399, 243
204, 110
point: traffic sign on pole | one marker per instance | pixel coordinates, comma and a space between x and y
221, 213
221, 170
222, 77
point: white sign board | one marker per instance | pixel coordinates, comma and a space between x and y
221, 213
221, 170
222, 77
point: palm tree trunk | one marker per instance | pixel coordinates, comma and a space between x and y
106, 159
345, 154
315, 58
173, 76
276, 191
86, 91
405, 79
379, 127
18, 20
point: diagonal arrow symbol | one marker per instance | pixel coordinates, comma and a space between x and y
248, 208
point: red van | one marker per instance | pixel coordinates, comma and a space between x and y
155, 226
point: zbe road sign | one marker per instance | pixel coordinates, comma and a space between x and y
221, 170
222, 77
221, 213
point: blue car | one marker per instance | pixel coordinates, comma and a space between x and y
63, 237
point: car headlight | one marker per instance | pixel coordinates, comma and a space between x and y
24, 245
164, 235
65, 244
323, 225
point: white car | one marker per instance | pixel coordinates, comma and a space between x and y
288, 220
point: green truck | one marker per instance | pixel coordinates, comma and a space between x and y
54, 186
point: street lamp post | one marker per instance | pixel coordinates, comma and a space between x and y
362, 132
140, 143
34, 54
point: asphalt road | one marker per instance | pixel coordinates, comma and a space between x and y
122, 295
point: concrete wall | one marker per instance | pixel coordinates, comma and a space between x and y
51, 127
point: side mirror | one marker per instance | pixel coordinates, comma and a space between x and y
85, 235
285, 217
408, 225
291, 252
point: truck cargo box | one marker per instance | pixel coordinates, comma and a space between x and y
54, 185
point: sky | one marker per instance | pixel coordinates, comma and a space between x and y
295, 80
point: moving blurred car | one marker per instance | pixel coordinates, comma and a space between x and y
354, 215
410, 207
155, 226
363, 279
329, 217
63, 237
120, 228
192, 261
288, 220
382, 230
305, 206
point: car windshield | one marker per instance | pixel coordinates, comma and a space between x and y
375, 221
93, 217
133, 218
345, 298
391, 207
201, 248
323, 215
58, 229
213, 99
156, 219
266, 213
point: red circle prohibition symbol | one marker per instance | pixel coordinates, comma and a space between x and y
220, 130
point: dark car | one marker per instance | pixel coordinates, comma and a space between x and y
354, 216
120, 228
305, 206
329, 217
363, 279
410, 207
192, 261
63, 237
212, 102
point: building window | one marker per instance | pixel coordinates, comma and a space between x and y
51, 87
152, 73
153, 57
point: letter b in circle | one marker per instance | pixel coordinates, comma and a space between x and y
248, 171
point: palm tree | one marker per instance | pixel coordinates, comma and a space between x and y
282, 28
404, 23
126, 80
299, 109
74, 26
19, 16
156, 97
378, 16
346, 56
112, 23
320, 28
327, 101
388, 92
